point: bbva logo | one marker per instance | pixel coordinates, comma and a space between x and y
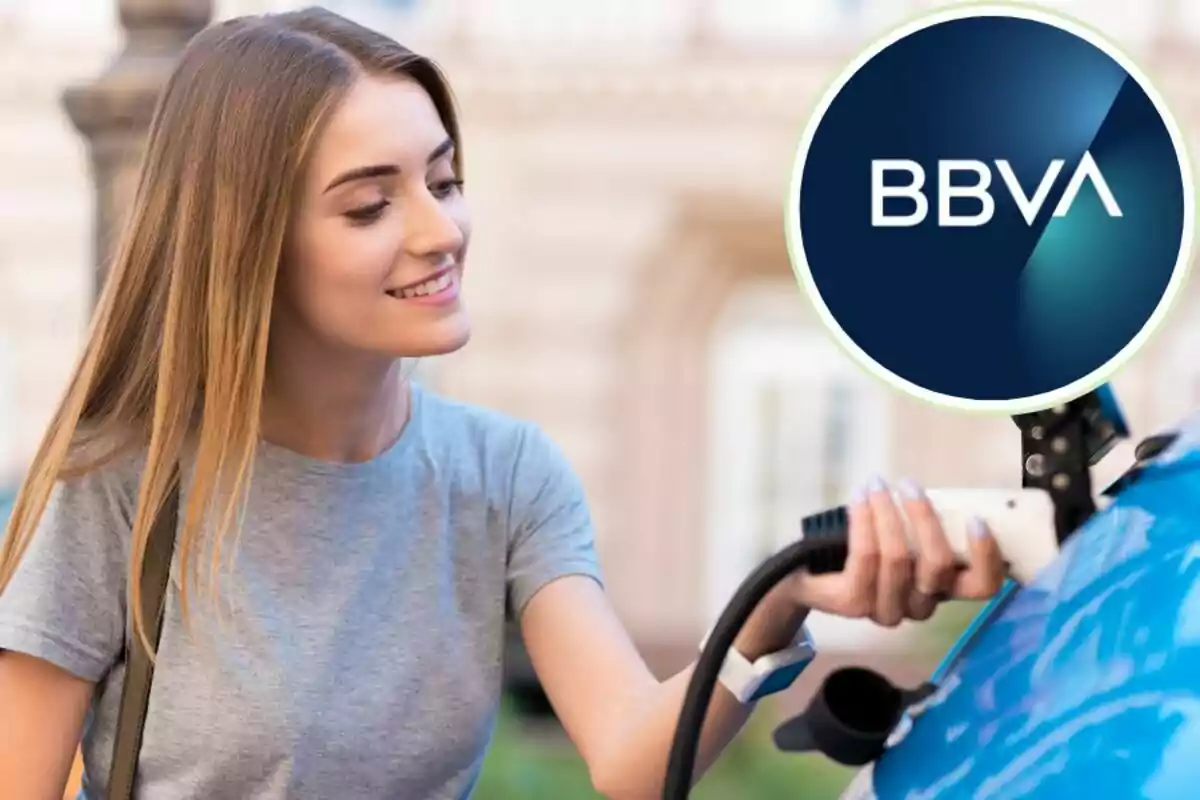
948, 189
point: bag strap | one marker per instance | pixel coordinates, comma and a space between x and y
139, 670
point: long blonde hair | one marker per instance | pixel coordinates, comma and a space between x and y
177, 352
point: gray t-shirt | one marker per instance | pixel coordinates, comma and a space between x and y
360, 656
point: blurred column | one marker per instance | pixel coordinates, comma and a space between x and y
113, 112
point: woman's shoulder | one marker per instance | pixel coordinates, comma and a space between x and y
473, 421
499, 438
502, 443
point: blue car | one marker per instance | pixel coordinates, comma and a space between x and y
1084, 682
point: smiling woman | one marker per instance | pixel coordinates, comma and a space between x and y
299, 230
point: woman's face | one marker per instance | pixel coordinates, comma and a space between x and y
374, 262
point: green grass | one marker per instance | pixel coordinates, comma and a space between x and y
544, 766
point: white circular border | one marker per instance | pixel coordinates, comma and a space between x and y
1021, 405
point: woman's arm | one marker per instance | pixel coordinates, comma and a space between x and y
623, 720
43, 711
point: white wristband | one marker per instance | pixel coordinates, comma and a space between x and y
751, 681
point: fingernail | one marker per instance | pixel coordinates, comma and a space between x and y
909, 489
977, 528
876, 484
858, 496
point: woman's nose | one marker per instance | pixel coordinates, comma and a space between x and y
432, 230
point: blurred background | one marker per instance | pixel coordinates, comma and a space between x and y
627, 162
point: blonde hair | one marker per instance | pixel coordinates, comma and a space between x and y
177, 352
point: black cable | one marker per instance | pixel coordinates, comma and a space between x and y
823, 548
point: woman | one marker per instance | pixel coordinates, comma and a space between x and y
299, 228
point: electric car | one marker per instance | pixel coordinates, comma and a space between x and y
1085, 682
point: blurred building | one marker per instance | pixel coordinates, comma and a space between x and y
626, 162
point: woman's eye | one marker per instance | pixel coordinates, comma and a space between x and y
444, 189
364, 215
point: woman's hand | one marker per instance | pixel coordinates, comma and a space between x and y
886, 578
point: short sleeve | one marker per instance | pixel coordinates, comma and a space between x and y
550, 524
66, 602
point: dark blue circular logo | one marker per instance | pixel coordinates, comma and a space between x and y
992, 209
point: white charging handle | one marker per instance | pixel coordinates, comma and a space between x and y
1021, 520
